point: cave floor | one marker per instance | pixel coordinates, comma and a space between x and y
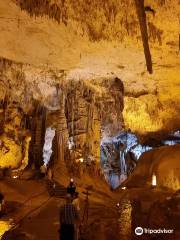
36, 213
44, 223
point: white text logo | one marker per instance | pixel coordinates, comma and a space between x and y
139, 231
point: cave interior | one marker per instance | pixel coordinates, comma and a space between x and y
90, 91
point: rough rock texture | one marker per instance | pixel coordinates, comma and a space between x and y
14, 138
161, 211
82, 112
163, 162
98, 39
74, 50
94, 111
109, 21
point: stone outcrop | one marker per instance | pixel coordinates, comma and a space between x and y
14, 138
93, 115
64, 60
99, 38
163, 162
82, 113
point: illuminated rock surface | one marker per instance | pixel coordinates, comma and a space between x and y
152, 101
78, 67
164, 163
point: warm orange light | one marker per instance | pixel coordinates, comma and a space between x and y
154, 180
80, 160
4, 226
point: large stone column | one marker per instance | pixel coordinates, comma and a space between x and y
57, 120
38, 132
83, 122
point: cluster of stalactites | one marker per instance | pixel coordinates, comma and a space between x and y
54, 9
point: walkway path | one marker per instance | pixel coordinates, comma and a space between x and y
43, 224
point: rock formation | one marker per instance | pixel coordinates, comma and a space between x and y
83, 112
79, 68
164, 163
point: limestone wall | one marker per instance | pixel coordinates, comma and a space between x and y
81, 111
163, 162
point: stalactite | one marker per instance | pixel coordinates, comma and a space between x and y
42, 7
38, 132
155, 33
43, 125
72, 119
143, 27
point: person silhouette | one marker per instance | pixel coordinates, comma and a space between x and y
71, 189
69, 218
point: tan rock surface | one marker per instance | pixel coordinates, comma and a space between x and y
163, 162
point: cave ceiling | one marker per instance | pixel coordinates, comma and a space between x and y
84, 40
